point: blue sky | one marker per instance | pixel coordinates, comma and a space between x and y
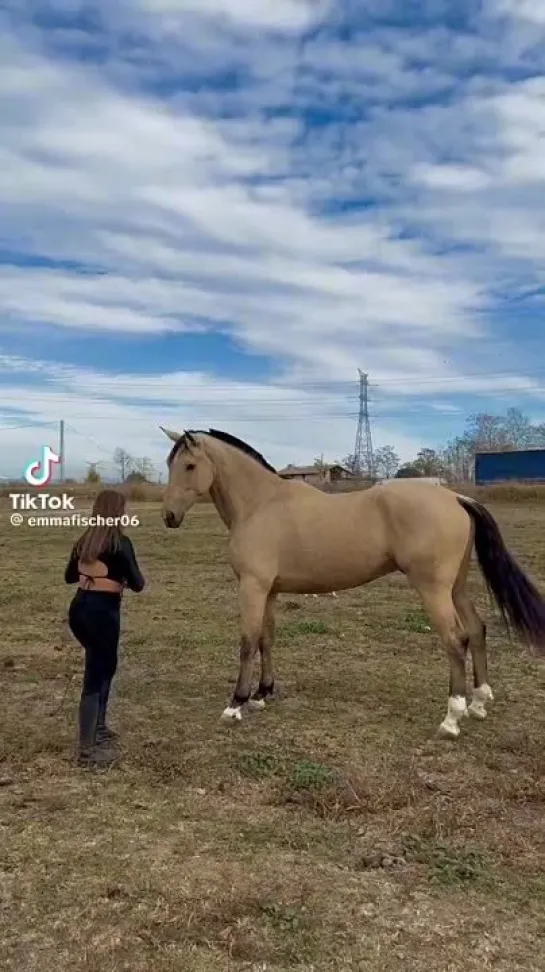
212, 212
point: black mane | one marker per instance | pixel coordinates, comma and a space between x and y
222, 437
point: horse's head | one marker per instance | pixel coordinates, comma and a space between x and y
190, 476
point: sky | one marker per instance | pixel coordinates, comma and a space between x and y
214, 212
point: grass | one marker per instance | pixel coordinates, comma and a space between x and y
331, 832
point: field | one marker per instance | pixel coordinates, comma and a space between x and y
332, 832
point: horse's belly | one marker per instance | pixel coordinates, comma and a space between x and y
336, 573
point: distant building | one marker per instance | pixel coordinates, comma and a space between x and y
316, 475
520, 466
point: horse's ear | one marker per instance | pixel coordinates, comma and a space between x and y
175, 436
190, 442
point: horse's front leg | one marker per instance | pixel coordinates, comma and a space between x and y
265, 689
253, 599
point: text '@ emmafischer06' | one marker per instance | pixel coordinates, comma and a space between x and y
74, 520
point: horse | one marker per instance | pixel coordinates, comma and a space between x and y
291, 537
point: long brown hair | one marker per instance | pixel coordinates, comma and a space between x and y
97, 539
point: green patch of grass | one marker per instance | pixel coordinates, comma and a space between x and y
283, 918
448, 866
311, 627
260, 765
311, 776
418, 622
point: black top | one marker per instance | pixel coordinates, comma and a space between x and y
121, 564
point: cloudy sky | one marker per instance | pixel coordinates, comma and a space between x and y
213, 212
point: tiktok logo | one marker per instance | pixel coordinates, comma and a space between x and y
40, 471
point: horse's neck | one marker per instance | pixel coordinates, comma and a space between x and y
240, 485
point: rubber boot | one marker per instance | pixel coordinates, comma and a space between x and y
104, 734
89, 753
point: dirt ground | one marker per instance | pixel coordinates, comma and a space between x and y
332, 832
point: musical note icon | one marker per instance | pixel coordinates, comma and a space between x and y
40, 471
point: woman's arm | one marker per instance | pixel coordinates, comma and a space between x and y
133, 576
71, 574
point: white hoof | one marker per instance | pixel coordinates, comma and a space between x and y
231, 715
457, 709
257, 705
449, 729
481, 695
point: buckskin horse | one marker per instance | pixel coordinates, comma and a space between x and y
291, 537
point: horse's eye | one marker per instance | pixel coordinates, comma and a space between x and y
190, 466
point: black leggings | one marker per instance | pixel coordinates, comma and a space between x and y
94, 619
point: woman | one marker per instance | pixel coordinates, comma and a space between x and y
103, 563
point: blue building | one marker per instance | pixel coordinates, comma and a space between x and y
524, 466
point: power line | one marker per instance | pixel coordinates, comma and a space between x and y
90, 439
332, 383
33, 425
256, 417
273, 403
259, 419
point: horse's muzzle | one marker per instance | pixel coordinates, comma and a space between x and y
171, 520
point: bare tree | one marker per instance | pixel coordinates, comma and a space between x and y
519, 430
386, 462
124, 463
429, 462
351, 463
489, 433
142, 469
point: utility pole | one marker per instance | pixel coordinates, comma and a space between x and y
61, 450
363, 449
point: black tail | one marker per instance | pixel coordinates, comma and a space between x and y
522, 606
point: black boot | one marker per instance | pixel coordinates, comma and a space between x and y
104, 734
89, 754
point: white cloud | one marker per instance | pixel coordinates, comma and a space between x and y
288, 423
158, 199
529, 10
454, 177
192, 208
494, 199
282, 14
283, 422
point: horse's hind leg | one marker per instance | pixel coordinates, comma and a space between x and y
265, 689
476, 628
438, 602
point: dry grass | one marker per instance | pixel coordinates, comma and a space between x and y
332, 832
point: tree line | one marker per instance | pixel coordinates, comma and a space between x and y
454, 461
131, 469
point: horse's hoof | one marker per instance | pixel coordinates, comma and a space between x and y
477, 710
448, 731
257, 705
231, 714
